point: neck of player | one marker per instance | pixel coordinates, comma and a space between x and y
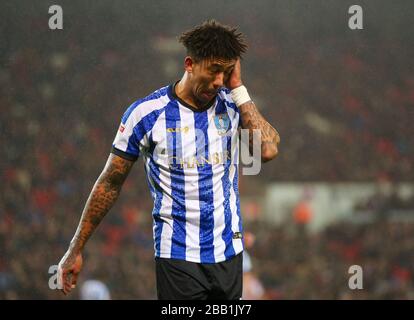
184, 92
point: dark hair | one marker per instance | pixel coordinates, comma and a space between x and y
213, 40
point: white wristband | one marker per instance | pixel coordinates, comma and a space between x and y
240, 95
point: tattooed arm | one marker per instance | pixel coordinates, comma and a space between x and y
252, 119
102, 197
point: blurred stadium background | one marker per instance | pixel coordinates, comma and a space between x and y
339, 194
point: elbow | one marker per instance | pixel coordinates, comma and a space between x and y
268, 155
270, 150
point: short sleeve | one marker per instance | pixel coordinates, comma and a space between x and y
131, 136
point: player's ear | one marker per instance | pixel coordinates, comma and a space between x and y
188, 64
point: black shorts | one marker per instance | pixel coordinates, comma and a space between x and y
183, 280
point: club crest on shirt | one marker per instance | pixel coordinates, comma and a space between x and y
222, 123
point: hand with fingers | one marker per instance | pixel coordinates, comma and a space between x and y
234, 80
68, 271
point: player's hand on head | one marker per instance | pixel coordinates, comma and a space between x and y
68, 270
234, 79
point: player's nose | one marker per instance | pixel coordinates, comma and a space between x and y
219, 80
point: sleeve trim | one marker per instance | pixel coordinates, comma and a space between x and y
123, 154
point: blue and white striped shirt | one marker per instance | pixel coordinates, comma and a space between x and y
191, 162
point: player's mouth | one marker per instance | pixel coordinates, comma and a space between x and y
209, 95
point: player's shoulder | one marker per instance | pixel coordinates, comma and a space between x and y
154, 101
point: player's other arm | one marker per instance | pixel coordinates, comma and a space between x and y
102, 197
252, 119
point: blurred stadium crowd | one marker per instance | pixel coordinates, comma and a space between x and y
343, 107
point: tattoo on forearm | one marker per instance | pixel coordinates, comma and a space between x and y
252, 119
104, 194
